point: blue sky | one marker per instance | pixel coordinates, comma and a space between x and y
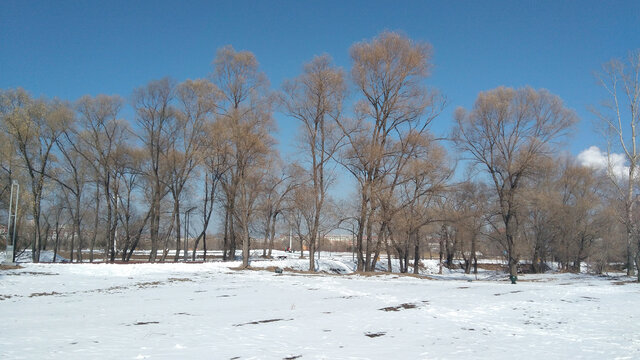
72, 48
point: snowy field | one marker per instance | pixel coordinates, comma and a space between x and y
211, 311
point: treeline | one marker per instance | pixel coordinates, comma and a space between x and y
202, 151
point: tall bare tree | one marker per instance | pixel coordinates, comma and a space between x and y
33, 126
101, 136
215, 163
315, 99
389, 73
507, 132
73, 176
620, 115
197, 102
155, 117
245, 121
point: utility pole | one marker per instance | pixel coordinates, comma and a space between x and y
11, 231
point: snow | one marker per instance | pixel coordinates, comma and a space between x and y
335, 263
211, 310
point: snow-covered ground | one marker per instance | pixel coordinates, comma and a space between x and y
211, 311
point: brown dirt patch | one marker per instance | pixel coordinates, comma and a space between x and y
45, 294
399, 307
261, 322
10, 267
373, 335
621, 282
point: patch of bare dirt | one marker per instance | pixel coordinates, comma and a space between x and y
10, 267
399, 307
143, 285
146, 322
510, 292
36, 273
261, 322
373, 335
621, 282
45, 294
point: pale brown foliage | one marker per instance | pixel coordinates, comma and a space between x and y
507, 132
33, 126
245, 123
315, 99
389, 73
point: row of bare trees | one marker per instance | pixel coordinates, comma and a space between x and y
206, 147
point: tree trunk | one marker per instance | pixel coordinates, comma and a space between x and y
225, 239
73, 232
416, 254
176, 211
443, 239
245, 246
204, 247
35, 245
95, 223
78, 224
360, 234
57, 242
312, 251
510, 234
472, 256
381, 237
368, 243
272, 235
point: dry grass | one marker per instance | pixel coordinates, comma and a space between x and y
10, 267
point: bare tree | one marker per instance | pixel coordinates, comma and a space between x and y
507, 132
197, 102
578, 216
388, 72
315, 99
101, 136
279, 183
155, 116
537, 217
33, 127
620, 115
215, 163
73, 175
128, 175
245, 123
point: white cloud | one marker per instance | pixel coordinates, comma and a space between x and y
597, 159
